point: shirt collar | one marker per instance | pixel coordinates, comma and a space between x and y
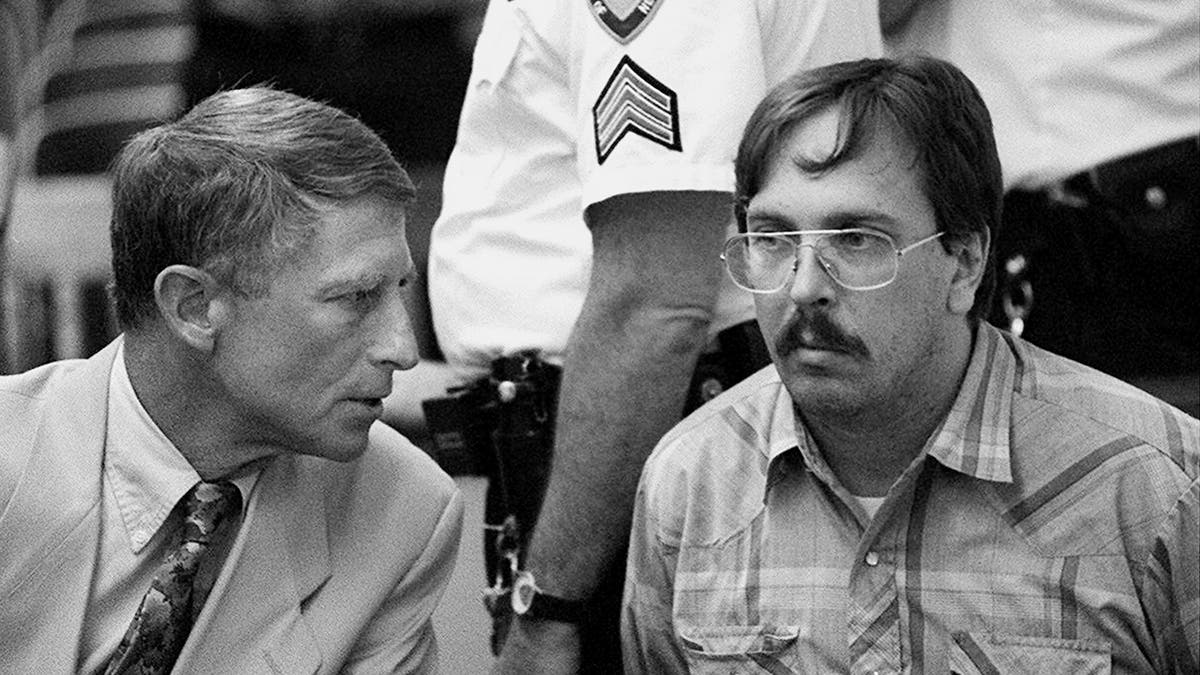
974, 437
972, 440
782, 439
147, 473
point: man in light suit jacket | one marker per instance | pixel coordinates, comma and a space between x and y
260, 273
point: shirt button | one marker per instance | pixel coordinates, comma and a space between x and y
872, 558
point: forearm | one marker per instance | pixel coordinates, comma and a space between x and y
654, 283
625, 390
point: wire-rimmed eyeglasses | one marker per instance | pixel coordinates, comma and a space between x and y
857, 259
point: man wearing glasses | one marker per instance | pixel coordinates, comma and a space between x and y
907, 488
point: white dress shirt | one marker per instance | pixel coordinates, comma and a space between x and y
144, 477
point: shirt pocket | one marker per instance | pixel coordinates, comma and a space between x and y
740, 649
984, 653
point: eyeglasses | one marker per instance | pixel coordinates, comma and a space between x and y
857, 259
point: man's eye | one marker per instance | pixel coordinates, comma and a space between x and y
851, 239
856, 241
364, 296
770, 244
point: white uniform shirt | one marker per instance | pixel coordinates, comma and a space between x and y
1071, 84
571, 102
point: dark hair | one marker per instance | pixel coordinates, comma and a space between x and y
931, 103
236, 187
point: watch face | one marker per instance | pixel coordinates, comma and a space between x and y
523, 592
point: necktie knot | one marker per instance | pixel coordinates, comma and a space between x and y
206, 507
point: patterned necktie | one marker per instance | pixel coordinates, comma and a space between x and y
154, 638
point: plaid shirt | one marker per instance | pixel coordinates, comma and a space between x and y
1049, 526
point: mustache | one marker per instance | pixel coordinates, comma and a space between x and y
816, 329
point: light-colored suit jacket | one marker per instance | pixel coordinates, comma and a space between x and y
336, 567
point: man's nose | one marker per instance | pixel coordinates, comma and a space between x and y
395, 343
811, 283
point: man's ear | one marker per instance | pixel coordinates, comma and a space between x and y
970, 251
192, 303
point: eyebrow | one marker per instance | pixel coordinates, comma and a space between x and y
365, 280
835, 220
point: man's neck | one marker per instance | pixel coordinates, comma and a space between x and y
868, 450
177, 395
869, 459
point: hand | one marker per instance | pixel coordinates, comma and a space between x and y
539, 647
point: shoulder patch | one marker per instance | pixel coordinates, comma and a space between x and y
634, 102
623, 19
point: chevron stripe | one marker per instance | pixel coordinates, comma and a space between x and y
632, 101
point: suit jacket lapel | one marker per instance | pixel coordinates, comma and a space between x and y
252, 619
252, 616
53, 519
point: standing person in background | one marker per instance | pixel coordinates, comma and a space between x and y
621, 116
908, 489
1097, 112
212, 491
508, 266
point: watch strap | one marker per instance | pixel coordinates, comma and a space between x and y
552, 608
541, 605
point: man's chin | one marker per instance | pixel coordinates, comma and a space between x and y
344, 446
815, 389
351, 451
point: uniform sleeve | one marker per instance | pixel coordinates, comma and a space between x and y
647, 634
400, 637
665, 111
1171, 597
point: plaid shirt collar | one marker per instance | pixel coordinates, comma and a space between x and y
972, 440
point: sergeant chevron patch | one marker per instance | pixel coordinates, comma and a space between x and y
623, 19
634, 102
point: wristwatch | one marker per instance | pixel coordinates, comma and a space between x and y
531, 602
